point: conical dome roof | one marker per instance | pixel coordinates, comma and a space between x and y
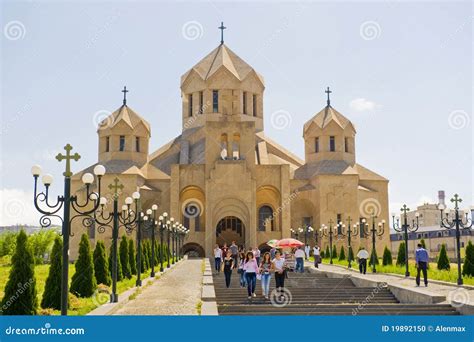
326, 116
222, 56
127, 115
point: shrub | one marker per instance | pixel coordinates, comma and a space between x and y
422, 242
328, 252
334, 252
101, 264
323, 255
20, 290
111, 264
342, 254
7, 243
124, 260
373, 256
468, 267
350, 254
443, 260
83, 283
387, 257
401, 257
131, 257
52, 290
41, 244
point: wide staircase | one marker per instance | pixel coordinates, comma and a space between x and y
316, 294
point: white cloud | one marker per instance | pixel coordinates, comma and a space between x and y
16, 207
362, 105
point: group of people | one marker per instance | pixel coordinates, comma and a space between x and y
251, 266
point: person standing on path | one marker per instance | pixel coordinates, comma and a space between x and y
307, 249
299, 255
251, 270
317, 256
217, 258
279, 267
227, 265
235, 252
363, 255
256, 253
266, 266
421, 258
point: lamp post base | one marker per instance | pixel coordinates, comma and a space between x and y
113, 297
407, 274
152, 274
138, 283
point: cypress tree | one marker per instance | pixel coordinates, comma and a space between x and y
124, 260
342, 254
323, 256
83, 283
327, 253
468, 267
443, 260
334, 252
149, 258
20, 290
101, 264
422, 242
131, 257
374, 252
401, 257
387, 257
52, 289
111, 264
350, 254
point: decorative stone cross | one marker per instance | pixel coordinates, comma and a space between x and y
116, 186
60, 157
222, 28
328, 92
125, 91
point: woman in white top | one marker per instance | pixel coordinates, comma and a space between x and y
251, 270
279, 266
317, 256
217, 258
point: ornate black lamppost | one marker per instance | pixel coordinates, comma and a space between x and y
352, 230
169, 226
325, 231
66, 202
456, 223
377, 230
151, 223
125, 217
294, 233
181, 236
163, 223
405, 228
307, 230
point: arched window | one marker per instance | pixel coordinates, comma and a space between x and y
265, 217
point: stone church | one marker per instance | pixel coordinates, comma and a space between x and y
225, 180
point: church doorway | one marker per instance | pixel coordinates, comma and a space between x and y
193, 250
229, 229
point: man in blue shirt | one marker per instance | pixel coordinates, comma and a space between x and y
421, 259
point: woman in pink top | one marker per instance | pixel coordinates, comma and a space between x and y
251, 270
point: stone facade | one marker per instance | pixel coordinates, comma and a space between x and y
224, 179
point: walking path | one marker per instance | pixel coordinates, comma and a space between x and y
437, 292
177, 292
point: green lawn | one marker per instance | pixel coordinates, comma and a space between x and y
433, 272
81, 306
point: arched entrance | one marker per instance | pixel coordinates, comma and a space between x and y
193, 250
228, 229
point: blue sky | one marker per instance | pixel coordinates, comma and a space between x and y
401, 71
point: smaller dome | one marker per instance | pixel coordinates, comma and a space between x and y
326, 116
127, 115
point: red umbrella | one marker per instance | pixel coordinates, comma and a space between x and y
289, 243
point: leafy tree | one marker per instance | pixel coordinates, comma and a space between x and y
41, 244
101, 264
334, 252
387, 257
7, 243
443, 260
373, 256
328, 252
131, 257
111, 264
83, 283
124, 260
350, 254
20, 290
342, 254
401, 256
52, 290
468, 267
